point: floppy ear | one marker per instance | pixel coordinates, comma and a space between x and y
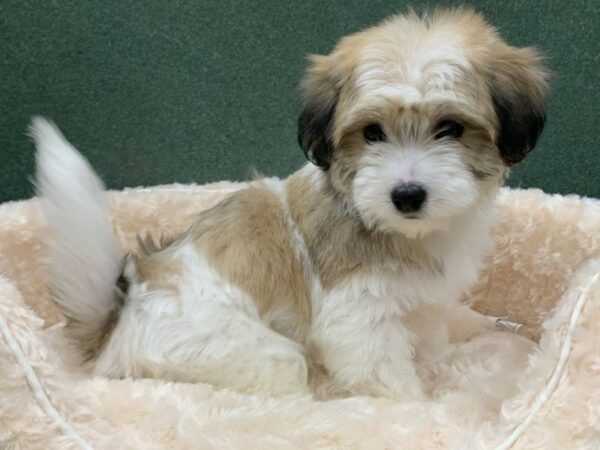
518, 85
320, 96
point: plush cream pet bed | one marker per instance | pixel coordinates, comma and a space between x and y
496, 391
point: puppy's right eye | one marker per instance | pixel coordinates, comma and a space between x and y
449, 128
373, 133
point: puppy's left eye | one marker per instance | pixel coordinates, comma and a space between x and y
373, 133
449, 128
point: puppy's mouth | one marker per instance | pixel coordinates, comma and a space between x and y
412, 216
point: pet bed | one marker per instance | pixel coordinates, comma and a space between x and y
497, 390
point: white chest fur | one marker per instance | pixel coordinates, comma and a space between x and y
459, 250
359, 327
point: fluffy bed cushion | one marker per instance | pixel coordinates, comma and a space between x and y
488, 391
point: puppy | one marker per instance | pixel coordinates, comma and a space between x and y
355, 264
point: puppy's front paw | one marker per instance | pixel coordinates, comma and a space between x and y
406, 391
402, 385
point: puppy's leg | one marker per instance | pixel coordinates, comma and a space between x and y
441, 329
439, 326
464, 323
244, 355
209, 333
365, 347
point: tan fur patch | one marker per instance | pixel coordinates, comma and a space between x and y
159, 270
247, 240
338, 242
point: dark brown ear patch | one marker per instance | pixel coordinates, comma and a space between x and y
314, 128
520, 124
518, 87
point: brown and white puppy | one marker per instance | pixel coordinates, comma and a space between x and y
354, 263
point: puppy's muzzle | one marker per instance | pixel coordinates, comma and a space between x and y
408, 198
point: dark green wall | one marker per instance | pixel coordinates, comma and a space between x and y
161, 91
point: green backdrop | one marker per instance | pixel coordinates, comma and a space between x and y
159, 91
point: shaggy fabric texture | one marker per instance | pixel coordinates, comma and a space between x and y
543, 273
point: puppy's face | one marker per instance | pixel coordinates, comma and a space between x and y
418, 119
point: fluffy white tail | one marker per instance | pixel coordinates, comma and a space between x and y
84, 256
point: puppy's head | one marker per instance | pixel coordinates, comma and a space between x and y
417, 119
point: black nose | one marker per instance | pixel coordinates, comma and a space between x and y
408, 198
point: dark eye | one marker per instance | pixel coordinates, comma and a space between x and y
448, 128
373, 133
